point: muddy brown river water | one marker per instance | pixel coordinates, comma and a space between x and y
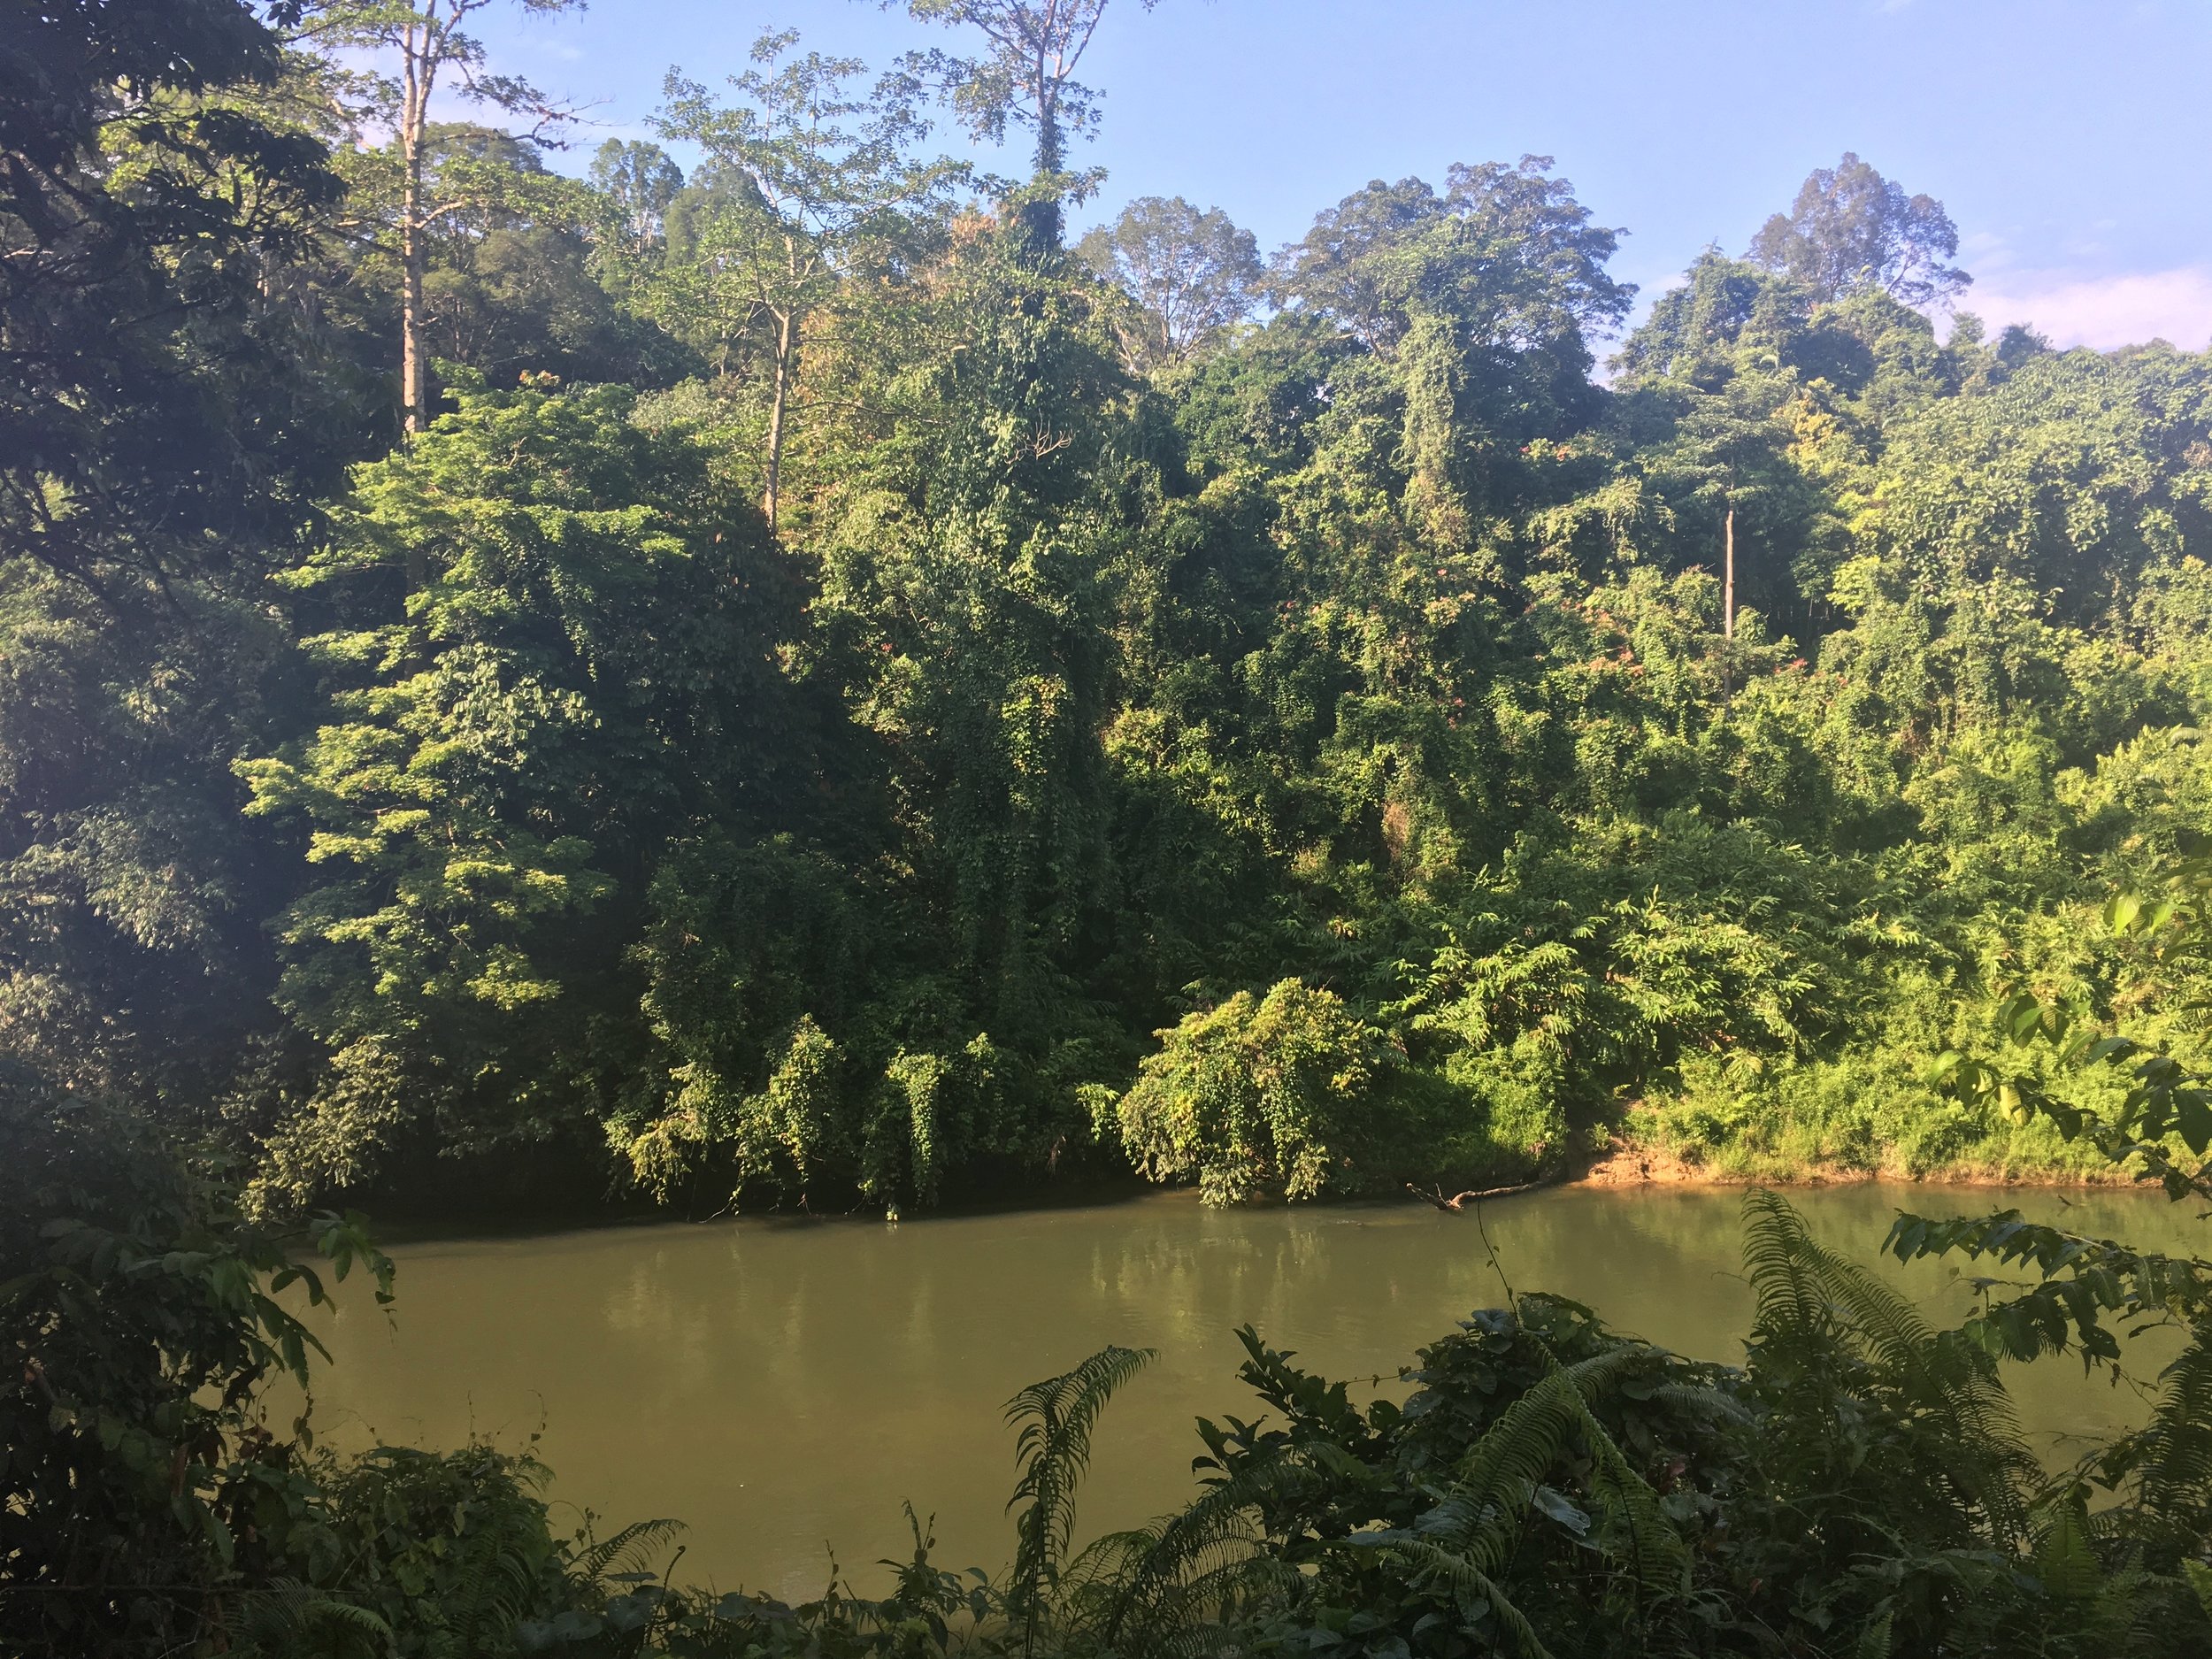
782, 1385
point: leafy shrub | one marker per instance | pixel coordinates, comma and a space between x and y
140, 1316
1265, 1097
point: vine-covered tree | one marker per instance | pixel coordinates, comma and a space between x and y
1024, 75
553, 647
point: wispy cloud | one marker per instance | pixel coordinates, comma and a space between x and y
2101, 312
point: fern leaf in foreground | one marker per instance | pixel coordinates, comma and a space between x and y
1054, 1418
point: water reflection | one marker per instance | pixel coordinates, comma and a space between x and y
782, 1387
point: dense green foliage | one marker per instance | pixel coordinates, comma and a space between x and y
823, 696
1677, 760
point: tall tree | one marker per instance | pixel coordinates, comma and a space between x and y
525, 270
821, 173
1511, 241
428, 44
555, 646
1474, 306
1026, 75
638, 181
1850, 229
1192, 274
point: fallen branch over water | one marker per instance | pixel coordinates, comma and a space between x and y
1464, 1199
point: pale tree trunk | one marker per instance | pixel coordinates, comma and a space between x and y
414, 395
1728, 608
786, 365
413, 380
797, 260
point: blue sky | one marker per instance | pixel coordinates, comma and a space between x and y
2071, 139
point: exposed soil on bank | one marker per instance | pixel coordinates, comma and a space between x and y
1630, 1163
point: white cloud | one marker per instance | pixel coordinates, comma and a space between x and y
2099, 312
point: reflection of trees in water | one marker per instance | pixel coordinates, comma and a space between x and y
778, 1385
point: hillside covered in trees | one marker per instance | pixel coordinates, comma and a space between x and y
802, 681
794, 680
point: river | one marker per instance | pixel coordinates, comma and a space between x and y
782, 1385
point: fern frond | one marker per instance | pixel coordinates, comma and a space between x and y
2065, 1559
1980, 1445
1789, 1303
624, 1551
1652, 1550
1506, 1465
278, 1618
361, 1620
1596, 1377
1891, 1329
2176, 1479
1470, 1584
1055, 1418
1180, 1571
1481, 1517
1703, 1400
1807, 1293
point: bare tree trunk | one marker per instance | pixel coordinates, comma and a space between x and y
787, 355
414, 390
1728, 611
413, 383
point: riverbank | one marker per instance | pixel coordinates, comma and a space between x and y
1627, 1163
1632, 1163
1861, 1116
